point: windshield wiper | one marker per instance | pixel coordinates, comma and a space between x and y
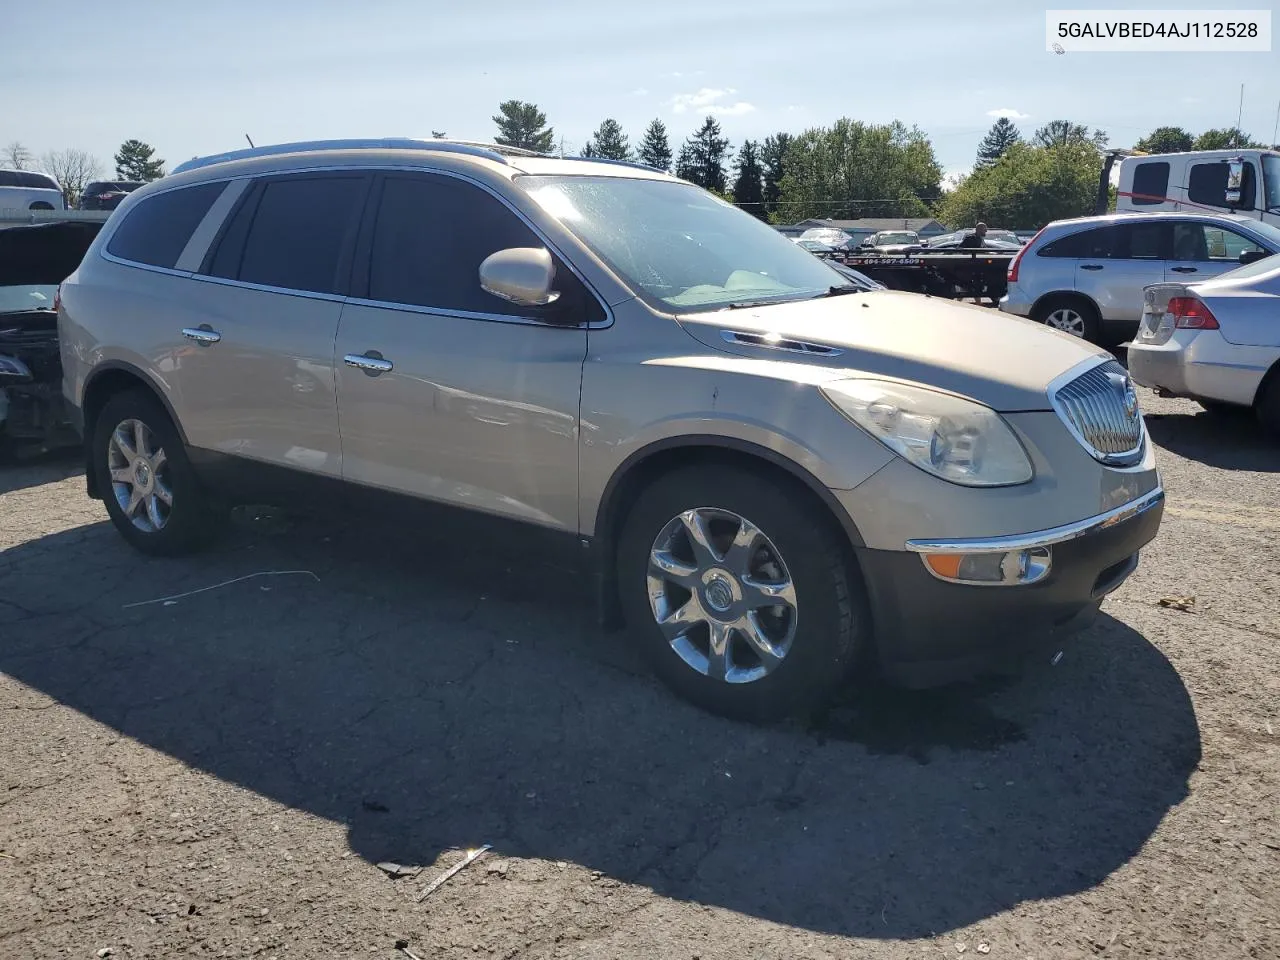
840, 289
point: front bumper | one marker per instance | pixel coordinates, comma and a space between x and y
932, 631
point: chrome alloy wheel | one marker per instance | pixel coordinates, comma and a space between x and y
1068, 320
722, 595
139, 472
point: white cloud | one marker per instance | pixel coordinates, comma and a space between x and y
711, 100
1007, 113
640, 92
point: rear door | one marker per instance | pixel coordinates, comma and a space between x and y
1125, 258
259, 320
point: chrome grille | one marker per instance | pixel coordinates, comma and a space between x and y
1100, 408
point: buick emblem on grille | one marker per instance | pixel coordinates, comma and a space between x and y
1125, 393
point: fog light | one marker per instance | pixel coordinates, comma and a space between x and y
1009, 568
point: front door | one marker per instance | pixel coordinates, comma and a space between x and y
446, 391
1202, 251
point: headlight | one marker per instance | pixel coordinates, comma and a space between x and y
957, 440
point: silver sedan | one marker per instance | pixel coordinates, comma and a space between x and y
1217, 342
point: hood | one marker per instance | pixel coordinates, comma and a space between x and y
44, 253
1001, 360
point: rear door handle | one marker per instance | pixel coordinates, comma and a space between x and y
1090, 266
1184, 269
203, 334
368, 363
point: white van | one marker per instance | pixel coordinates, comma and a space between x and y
1203, 181
28, 190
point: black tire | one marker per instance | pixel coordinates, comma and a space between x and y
831, 621
190, 523
1090, 322
1267, 405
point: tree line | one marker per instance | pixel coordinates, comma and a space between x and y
75, 169
848, 170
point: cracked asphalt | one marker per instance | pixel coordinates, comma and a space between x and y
221, 774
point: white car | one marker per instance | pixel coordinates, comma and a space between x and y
29, 190
1217, 341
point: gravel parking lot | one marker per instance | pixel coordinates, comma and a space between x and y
221, 774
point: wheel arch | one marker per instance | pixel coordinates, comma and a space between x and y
1046, 298
106, 381
655, 459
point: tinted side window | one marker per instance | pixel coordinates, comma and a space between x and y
157, 229
1200, 242
1088, 243
1150, 183
1207, 184
431, 235
299, 232
26, 178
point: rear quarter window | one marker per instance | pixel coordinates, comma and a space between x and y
157, 229
1097, 242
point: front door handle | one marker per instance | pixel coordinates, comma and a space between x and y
1090, 266
369, 362
203, 334
1184, 269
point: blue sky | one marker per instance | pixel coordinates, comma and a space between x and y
193, 79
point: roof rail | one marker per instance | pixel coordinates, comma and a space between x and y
618, 163
490, 151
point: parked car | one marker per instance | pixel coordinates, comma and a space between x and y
814, 246
1086, 276
29, 190
612, 356
830, 236
107, 194
891, 241
1246, 182
1217, 341
34, 259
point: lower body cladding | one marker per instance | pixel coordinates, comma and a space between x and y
953, 609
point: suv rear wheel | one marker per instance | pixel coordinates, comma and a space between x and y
739, 592
146, 479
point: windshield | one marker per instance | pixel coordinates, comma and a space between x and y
1271, 181
678, 246
26, 297
883, 239
1268, 232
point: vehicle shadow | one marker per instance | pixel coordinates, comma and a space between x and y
18, 473
1230, 440
432, 694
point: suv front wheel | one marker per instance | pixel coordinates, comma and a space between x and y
150, 490
739, 592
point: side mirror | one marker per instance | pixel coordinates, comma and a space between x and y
520, 275
1235, 177
1253, 256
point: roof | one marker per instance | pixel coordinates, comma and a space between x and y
525, 161
1157, 215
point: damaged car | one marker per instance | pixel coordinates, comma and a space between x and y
34, 260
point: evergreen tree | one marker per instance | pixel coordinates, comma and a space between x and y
608, 142
137, 161
655, 149
748, 184
1001, 137
523, 125
707, 153
684, 163
773, 157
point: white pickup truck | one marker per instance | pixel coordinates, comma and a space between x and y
29, 190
